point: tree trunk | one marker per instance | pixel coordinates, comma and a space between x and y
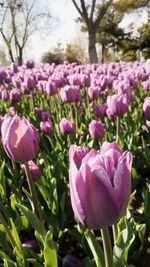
20, 56
92, 48
103, 53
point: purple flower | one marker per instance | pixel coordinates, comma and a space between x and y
66, 126
46, 127
20, 139
146, 108
96, 129
70, 94
117, 104
100, 186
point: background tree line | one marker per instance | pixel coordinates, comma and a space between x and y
100, 19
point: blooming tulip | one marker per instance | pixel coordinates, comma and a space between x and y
100, 185
20, 138
96, 129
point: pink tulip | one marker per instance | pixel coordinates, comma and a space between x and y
35, 170
117, 104
146, 108
70, 94
100, 185
20, 138
96, 129
46, 127
66, 126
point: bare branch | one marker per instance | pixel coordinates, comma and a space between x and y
77, 7
92, 9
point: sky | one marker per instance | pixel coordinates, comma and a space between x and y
64, 29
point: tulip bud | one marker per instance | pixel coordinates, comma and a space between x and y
96, 129
146, 108
66, 126
46, 127
70, 94
72, 261
35, 170
20, 138
117, 104
100, 184
32, 244
15, 95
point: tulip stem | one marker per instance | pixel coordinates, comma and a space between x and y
76, 119
115, 231
117, 130
33, 192
8, 231
107, 247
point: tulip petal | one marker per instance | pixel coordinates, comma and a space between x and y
95, 192
122, 181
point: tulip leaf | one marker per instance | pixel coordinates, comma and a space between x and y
50, 252
33, 219
9, 263
95, 248
125, 238
2, 181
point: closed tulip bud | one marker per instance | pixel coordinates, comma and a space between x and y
146, 108
70, 94
30, 64
96, 129
15, 95
100, 110
93, 92
20, 138
105, 176
35, 170
38, 110
32, 244
72, 261
45, 115
46, 127
148, 125
117, 104
66, 126
4, 95
51, 88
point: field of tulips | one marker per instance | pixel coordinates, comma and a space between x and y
75, 165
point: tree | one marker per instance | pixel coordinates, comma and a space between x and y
144, 39
19, 20
55, 56
109, 34
92, 19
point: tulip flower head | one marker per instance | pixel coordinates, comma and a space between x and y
96, 129
66, 126
100, 184
20, 138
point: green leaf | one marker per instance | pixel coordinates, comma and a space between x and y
95, 248
15, 235
9, 263
50, 252
125, 238
33, 219
3, 255
2, 181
